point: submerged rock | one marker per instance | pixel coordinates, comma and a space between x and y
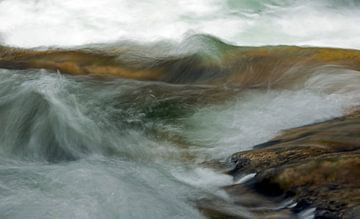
245, 67
318, 165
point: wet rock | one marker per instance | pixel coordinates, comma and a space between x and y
317, 164
245, 67
244, 203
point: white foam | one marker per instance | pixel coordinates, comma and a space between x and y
92, 189
204, 178
245, 178
259, 115
30, 23
307, 214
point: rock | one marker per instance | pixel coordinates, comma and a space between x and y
245, 67
317, 164
243, 203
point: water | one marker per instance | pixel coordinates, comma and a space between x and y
32, 23
86, 147
95, 147
81, 149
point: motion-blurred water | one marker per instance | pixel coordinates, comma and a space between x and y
330, 23
90, 147
84, 147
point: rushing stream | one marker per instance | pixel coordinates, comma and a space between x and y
86, 147
95, 147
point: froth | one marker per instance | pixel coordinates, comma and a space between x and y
69, 23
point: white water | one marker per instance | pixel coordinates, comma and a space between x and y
258, 115
83, 147
107, 162
31, 23
118, 171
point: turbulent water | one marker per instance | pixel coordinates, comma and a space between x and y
94, 147
30, 23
